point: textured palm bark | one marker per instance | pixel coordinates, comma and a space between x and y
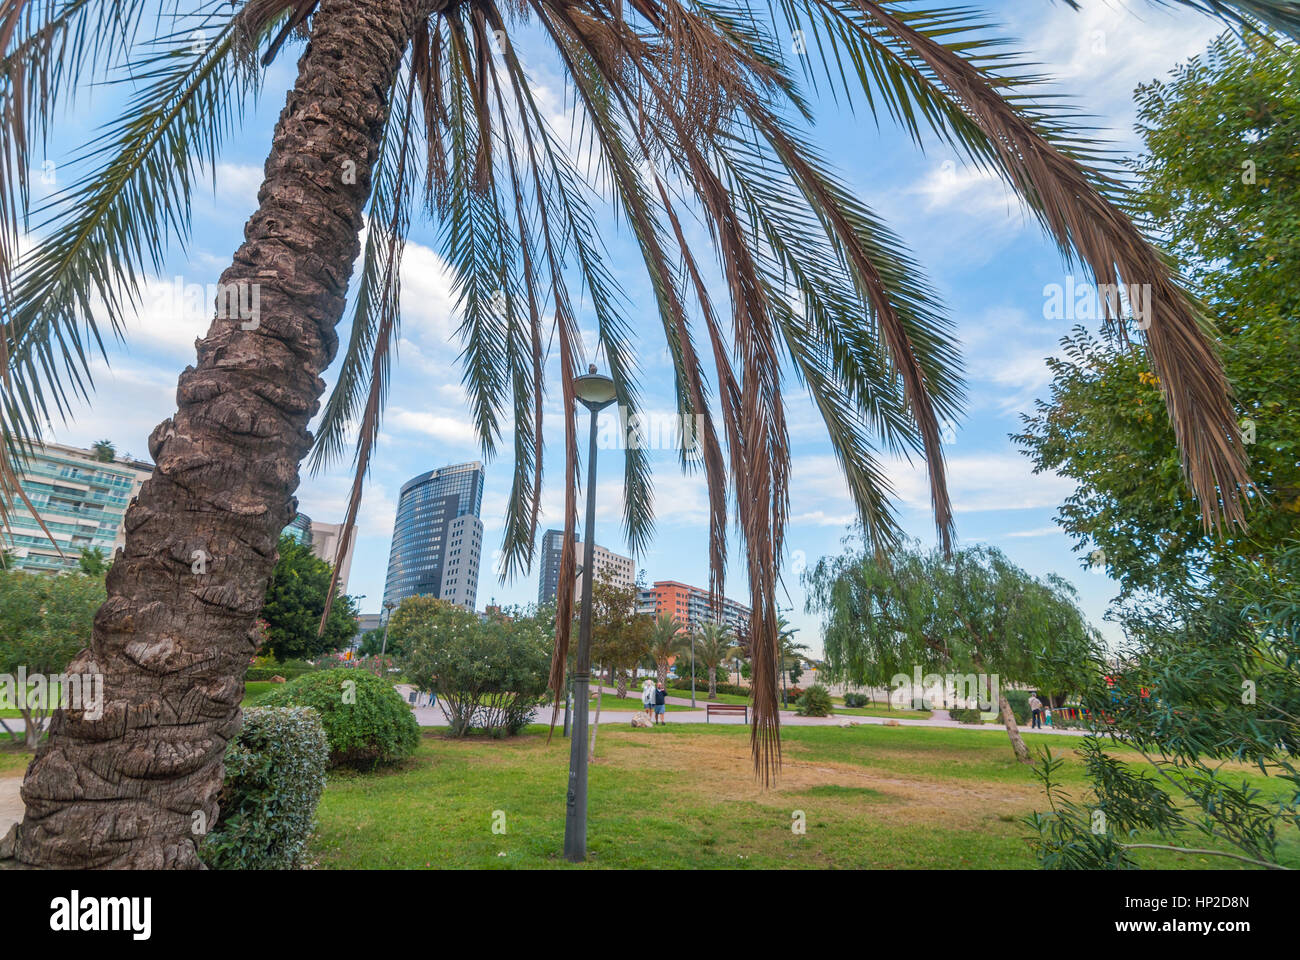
138, 787
1013, 731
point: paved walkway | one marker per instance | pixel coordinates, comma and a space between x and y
435, 717
11, 804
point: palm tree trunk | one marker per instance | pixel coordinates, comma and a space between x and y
713, 682
662, 667
1013, 731
138, 787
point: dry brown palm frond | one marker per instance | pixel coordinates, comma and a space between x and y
1087, 226
394, 238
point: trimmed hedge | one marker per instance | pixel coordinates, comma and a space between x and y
967, 716
366, 720
275, 774
268, 669
856, 700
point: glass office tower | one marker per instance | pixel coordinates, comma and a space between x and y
438, 537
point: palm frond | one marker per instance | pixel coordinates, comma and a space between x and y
1086, 225
376, 320
103, 232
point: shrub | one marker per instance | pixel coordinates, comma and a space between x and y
815, 702
792, 694
967, 716
490, 676
366, 720
856, 700
275, 773
1019, 700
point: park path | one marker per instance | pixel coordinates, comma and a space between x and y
11, 804
435, 717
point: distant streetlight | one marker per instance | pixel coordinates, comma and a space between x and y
389, 605
595, 392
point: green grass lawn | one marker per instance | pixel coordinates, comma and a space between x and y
843, 711
874, 709
13, 757
254, 689
684, 796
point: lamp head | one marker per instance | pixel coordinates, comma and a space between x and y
593, 389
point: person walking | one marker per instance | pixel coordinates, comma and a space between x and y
1036, 708
648, 696
661, 703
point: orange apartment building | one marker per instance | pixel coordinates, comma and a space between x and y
691, 606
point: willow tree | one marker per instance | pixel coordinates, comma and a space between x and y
970, 611
685, 111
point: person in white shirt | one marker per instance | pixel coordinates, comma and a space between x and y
1036, 706
648, 695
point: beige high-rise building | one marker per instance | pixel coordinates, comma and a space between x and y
325, 544
323, 538
609, 566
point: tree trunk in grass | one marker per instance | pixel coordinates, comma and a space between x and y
622, 685
591, 743
1013, 731
138, 787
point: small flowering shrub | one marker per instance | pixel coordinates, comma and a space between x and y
275, 773
815, 702
489, 676
366, 720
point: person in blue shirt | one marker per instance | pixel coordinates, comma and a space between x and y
661, 706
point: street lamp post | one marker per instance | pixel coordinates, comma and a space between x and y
595, 392
389, 605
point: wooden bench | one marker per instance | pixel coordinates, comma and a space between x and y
711, 708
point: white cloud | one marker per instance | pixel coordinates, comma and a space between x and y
440, 426
1036, 532
971, 190
173, 312
977, 483
237, 186
428, 303
1101, 51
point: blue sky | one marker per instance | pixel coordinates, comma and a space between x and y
988, 261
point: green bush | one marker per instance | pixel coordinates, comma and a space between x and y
490, 676
1019, 700
366, 720
856, 700
815, 702
275, 773
966, 716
